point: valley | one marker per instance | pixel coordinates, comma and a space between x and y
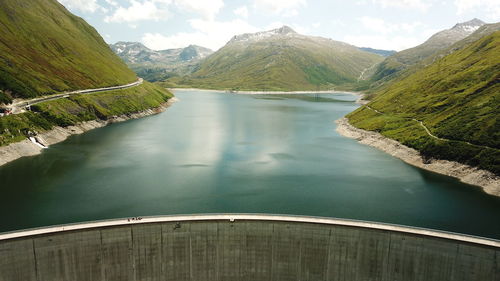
273, 118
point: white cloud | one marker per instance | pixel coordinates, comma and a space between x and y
421, 5
290, 13
82, 5
208, 33
491, 7
139, 11
112, 3
337, 23
389, 35
296, 27
207, 9
287, 8
381, 26
241, 11
382, 42
316, 24
389, 42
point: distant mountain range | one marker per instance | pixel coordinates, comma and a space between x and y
280, 59
158, 65
384, 53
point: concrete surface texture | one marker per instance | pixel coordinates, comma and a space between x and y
240, 247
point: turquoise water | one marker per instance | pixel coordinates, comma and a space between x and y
218, 153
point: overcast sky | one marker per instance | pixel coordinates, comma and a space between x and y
383, 24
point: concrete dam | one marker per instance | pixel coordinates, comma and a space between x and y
244, 247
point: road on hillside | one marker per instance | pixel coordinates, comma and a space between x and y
19, 105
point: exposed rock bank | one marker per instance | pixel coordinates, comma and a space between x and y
489, 182
26, 147
243, 92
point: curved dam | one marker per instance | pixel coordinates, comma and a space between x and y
244, 247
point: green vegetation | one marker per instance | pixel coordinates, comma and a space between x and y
45, 49
439, 45
456, 97
152, 74
4, 98
79, 108
280, 63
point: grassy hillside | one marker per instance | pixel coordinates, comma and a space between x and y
456, 97
78, 108
45, 49
396, 71
395, 65
280, 62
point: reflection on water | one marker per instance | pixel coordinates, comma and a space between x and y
217, 153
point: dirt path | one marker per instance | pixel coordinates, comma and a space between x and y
429, 132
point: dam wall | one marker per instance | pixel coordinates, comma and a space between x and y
244, 247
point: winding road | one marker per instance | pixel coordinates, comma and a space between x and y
19, 105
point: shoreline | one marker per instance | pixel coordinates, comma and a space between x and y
267, 92
489, 182
58, 134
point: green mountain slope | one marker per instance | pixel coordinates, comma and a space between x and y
400, 61
456, 97
381, 85
280, 59
46, 49
79, 108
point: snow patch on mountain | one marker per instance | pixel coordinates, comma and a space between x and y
282, 31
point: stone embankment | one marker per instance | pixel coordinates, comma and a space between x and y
27, 147
488, 181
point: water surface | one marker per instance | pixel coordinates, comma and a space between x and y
219, 153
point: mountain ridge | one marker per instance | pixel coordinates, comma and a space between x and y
154, 65
279, 59
400, 61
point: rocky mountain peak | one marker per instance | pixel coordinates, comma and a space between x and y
282, 31
285, 29
469, 26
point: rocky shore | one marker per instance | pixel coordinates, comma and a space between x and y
489, 182
26, 147
265, 92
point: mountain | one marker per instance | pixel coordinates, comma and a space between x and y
456, 97
384, 53
394, 64
137, 53
280, 59
46, 49
157, 65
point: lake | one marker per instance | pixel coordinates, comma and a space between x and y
226, 153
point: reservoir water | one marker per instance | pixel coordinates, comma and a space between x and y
220, 153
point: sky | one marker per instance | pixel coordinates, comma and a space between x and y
382, 24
